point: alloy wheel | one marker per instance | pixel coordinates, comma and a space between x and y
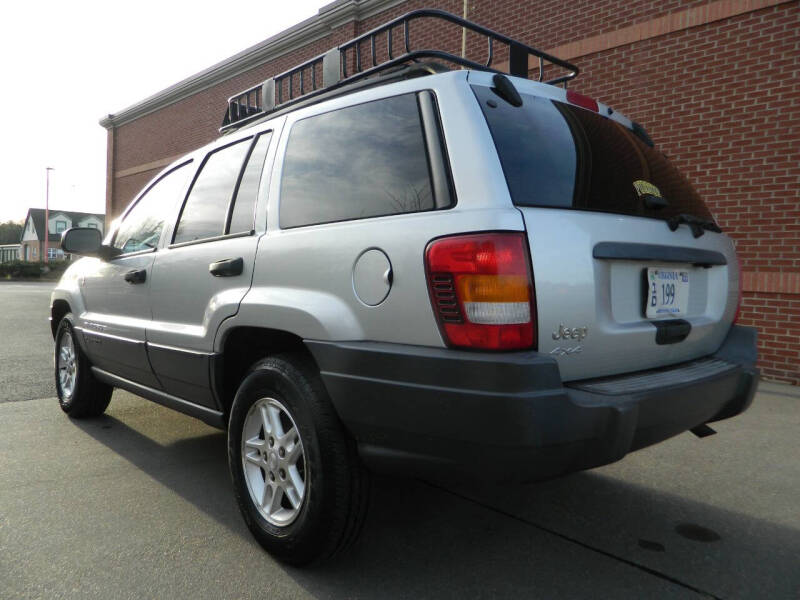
274, 462
67, 365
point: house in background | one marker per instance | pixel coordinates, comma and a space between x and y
32, 243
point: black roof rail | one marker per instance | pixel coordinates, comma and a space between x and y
332, 68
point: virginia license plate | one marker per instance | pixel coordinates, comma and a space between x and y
667, 292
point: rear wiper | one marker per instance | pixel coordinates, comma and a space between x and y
654, 202
696, 224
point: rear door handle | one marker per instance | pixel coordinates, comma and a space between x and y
229, 267
136, 276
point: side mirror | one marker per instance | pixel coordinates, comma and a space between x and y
86, 241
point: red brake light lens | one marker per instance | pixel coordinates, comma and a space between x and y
582, 101
482, 290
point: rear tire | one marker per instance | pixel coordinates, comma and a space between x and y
284, 434
80, 395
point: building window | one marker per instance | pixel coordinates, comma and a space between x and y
61, 226
34, 251
54, 253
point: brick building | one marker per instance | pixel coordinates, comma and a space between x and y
715, 82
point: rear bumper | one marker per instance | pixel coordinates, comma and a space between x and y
507, 417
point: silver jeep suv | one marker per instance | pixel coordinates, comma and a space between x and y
404, 268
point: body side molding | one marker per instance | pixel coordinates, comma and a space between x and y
207, 415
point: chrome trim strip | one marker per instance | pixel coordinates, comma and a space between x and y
216, 238
119, 338
183, 350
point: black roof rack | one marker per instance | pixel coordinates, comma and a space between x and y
332, 67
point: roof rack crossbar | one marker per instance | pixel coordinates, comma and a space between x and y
266, 97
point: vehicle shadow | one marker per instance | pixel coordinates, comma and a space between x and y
573, 536
570, 537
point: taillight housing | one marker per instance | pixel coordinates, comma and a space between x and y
481, 288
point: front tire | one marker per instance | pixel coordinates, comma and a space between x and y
297, 478
80, 395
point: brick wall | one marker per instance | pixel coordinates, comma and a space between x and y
777, 317
714, 81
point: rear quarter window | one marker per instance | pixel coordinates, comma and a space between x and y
362, 161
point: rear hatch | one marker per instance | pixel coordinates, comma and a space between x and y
622, 281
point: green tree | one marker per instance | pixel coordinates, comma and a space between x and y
10, 232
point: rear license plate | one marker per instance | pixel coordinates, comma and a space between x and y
667, 293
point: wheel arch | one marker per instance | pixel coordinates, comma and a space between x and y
242, 347
58, 309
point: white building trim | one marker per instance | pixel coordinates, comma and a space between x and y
30, 231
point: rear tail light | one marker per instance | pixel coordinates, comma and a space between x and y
482, 290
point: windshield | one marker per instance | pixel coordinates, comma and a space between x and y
558, 155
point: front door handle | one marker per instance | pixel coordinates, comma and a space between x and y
136, 276
227, 268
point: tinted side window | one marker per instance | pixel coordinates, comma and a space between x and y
356, 162
206, 207
141, 228
247, 194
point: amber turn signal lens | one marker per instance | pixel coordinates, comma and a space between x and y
493, 288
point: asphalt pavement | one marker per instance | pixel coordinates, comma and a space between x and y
26, 344
138, 504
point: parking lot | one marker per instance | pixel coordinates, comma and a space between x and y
138, 504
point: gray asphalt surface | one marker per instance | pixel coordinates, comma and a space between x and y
26, 344
138, 504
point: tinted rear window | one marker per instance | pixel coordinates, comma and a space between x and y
558, 155
357, 162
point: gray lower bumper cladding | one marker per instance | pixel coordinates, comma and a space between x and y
450, 414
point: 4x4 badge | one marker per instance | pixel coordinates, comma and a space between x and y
566, 351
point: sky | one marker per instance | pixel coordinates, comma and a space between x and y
65, 65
